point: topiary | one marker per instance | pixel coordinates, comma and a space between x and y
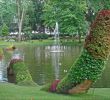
89, 66
5, 30
22, 74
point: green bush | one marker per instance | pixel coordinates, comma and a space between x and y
39, 36
5, 30
22, 74
27, 32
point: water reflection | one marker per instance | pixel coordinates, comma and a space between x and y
39, 59
3, 71
55, 54
45, 66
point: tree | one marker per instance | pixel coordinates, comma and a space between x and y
22, 8
20, 15
29, 20
5, 30
94, 6
68, 13
7, 12
13, 13
98, 5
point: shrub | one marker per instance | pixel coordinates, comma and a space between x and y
39, 36
5, 30
22, 74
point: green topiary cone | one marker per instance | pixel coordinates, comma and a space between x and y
22, 74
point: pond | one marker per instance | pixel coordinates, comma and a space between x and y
41, 63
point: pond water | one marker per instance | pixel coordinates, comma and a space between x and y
41, 62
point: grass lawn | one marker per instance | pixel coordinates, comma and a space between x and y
39, 42
31, 42
10, 91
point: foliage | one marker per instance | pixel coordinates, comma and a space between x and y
97, 42
68, 13
85, 68
27, 32
23, 77
98, 5
39, 36
29, 20
27, 29
91, 63
37, 20
7, 11
5, 30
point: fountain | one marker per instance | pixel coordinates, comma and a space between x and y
56, 50
56, 47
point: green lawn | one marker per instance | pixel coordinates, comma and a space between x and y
31, 42
13, 92
40, 42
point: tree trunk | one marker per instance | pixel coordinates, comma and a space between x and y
20, 12
89, 67
20, 26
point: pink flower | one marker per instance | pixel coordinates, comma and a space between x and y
54, 85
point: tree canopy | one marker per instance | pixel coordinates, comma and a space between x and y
98, 5
68, 13
38, 14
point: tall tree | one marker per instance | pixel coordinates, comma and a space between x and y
98, 5
22, 7
38, 12
7, 11
94, 6
68, 13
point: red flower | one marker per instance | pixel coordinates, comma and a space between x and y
54, 85
104, 12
